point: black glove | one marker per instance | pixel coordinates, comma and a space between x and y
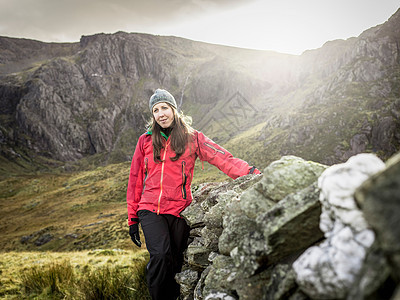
134, 233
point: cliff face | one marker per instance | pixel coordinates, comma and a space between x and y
69, 101
350, 98
95, 100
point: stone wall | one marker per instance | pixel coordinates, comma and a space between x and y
297, 232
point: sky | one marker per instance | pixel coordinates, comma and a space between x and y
286, 26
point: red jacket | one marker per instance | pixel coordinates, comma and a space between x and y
164, 187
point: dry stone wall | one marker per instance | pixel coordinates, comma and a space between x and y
296, 232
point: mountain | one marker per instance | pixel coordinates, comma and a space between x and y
64, 103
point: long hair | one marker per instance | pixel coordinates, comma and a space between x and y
180, 135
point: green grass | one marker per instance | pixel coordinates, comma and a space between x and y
110, 282
96, 274
51, 279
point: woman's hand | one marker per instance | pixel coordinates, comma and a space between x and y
135, 235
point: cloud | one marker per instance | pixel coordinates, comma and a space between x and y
289, 26
57, 20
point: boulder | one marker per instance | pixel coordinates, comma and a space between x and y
220, 278
282, 285
329, 270
379, 199
287, 175
187, 280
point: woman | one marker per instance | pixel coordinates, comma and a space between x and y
159, 189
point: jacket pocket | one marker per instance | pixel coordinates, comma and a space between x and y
146, 171
184, 179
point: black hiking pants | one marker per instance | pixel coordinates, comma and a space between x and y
166, 239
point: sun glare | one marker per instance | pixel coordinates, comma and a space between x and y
283, 26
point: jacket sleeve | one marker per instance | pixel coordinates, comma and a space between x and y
135, 183
214, 154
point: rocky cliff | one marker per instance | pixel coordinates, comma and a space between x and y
95, 99
300, 230
360, 74
64, 102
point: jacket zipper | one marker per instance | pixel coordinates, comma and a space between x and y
161, 180
215, 149
183, 180
145, 174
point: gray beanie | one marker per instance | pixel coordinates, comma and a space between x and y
161, 95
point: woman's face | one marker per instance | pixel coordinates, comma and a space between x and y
163, 114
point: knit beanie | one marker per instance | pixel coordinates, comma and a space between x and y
161, 95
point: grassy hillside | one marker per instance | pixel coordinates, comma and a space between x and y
63, 212
71, 211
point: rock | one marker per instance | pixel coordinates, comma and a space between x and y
220, 278
287, 175
383, 133
341, 256
379, 199
210, 237
93, 224
194, 213
214, 216
219, 296
40, 237
71, 236
288, 227
338, 184
397, 294
372, 277
252, 287
198, 290
292, 224
236, 227
197, 255
187, 280
282, 284
25, 239
43, 239
358, 144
